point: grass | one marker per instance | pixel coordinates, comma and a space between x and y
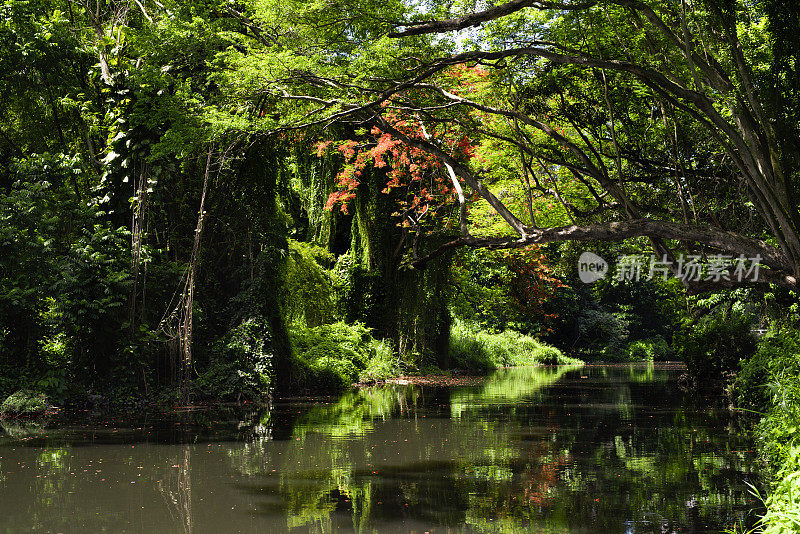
783, 503
475, 350
780, 434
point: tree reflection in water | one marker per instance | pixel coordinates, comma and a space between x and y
592, 449
531, 449
176, 489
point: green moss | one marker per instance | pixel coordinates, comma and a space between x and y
313, 181
308, 289
407, 306
24, 403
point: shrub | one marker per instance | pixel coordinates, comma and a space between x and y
769, 383
241, 364
24, 403
478, 351
605, 333
778, 356
333, 356
783, 502
7, 383
329, 373
715, 345
68, 268
383, 363
651, 349
779, 431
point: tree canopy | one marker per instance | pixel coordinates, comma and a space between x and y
590, 120
177, 170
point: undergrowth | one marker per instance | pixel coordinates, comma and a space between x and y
478, 351
769, 383
24, 403
333, 356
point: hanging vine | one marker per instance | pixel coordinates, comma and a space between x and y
177, 325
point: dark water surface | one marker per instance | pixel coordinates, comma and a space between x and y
591, 450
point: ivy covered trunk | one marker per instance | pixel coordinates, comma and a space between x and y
406, 305
260, 175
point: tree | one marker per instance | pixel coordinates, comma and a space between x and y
670, 121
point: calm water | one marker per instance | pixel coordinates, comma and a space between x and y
598, 449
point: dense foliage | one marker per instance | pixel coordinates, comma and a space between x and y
221, 201
768, 387
476, 350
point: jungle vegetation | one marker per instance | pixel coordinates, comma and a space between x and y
217, 200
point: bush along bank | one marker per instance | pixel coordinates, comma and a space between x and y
332, 357
475, 350
768, 385
24, 403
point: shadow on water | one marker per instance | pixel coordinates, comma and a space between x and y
551, 449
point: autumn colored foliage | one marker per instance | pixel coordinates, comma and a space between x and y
530, 281
419, 177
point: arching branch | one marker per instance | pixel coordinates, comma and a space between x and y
475, 19
715, 238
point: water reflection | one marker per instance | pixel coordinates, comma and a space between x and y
20, 428
176, 490
593, 449
507, 388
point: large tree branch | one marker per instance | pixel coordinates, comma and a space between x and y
476, 19
459, 23
714, 76
731, 139
775, 213
738, 136
562, 140
715, 238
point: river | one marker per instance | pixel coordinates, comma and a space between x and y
598, 449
